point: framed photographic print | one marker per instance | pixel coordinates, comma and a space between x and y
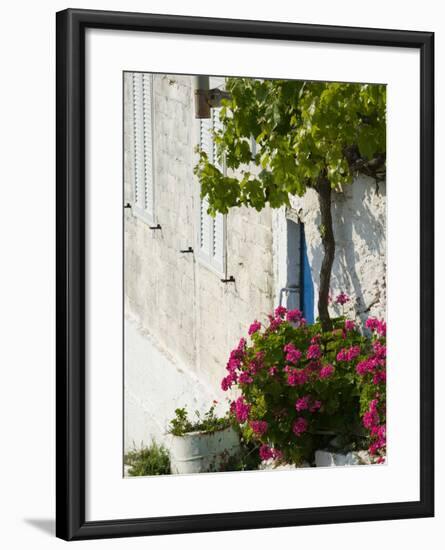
244, 274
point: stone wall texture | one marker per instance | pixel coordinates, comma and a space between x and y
359, 219
177, 299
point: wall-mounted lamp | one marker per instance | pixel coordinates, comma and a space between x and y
205, 98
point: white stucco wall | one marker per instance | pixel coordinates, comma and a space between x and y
359, 269
193, 318
188, 317
155, 385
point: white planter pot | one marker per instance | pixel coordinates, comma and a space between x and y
198, 452
327, 459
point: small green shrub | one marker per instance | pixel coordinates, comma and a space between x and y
208, 422
148, 461
247, 459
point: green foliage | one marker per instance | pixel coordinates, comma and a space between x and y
246, 460
304, 131
208, 422
148, 461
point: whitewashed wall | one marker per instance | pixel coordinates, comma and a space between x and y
359, 220
193, 319
181, 319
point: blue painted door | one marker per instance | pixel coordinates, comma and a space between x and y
306, 283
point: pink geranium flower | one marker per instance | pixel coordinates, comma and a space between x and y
259, 427
297, 377
294, 315
274, 323
245, 378
326, 371
254, 327
342, 298
299, 426
241, 410
376, 325
348, 354
228, 381
302, 403
267, 453
313, 352
280, 311
293, 355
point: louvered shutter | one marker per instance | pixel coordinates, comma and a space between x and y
205, 224
217, 125
211, 230
143, 206
219, 220
218, 241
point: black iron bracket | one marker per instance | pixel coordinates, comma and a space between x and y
231, 279
188, 250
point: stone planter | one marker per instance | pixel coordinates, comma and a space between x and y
198, 452
335, 456
326, 459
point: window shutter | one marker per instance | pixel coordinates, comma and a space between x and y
205, 228
138, 140
147, 94
211, 230
217, 125
205, 137
206, 144
143, 146
219, 220
218, 241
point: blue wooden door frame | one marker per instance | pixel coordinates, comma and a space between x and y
306, 283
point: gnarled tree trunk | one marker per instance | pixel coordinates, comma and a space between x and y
328, 242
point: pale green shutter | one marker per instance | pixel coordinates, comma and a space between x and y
143, 168
211, 230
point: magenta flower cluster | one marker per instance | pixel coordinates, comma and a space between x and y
254, 327
348, 354
342, 298
326, 371
295, 316
274, 323
374, 365
372, 371
299, 426
307, 403
280, 311
241, 409
293, 355
245, 378
376, 325
233, 364
259, 427
292, 378
266, 453
296, 377
313, 352
377, 430
281, 314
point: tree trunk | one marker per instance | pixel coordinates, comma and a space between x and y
328, 242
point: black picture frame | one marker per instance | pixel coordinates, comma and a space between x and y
70, 174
